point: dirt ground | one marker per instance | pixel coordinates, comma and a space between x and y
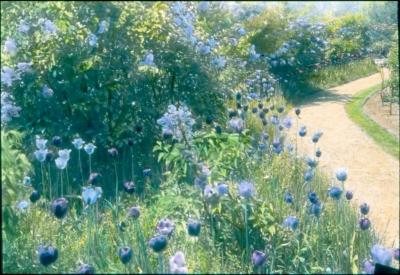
381, 114
373, 174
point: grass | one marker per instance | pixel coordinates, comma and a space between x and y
335, 75
354, 108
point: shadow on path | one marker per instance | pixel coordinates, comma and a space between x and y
322, 96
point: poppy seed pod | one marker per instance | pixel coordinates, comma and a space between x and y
288, 198
280, 109
364, 208
56, 141
238, 96
122, 226
246, 108
167, 134
146, 172
261, 115
258, 258
297, 111
125, 254
209, 119
238, 105
254, 110
194, 228
260, 105
59, 207
134, 212
85, 269
265, 110
318, 153
129, 187
264, 122
49, 156
272, 107
158, 243
47, 254
35, 196
94, 178
364, 223
130, 142
218, 129
349, 195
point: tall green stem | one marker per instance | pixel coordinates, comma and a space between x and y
160, 263
116, 187
80, 166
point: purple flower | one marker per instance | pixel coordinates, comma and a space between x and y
364, 223
335, 192
258, 258
94, 178
349, 195
165, 227
129, 187
134, 212
364, 208
369, 267
47, 254
86, 269
381, 255
291, 222
112, 152
236, 124
59, 207
177, 264
287, 122
246, 189
274, 120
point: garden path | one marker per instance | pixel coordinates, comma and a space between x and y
373, 174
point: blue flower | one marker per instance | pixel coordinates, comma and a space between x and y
316, 209
233, 41
10, 47
364, 223
364, 208
210, 194
204, 49
241, 32
318, 153
246, 189
194, 227
40, 155
253, 56
288, 198
23, 26
313, 197
59, 207
287, 122
349, 195
92, 40
78, 143
89, 148
158, 243
178, 122
48, 27
302, 131
291, 222
222, 189
317, 135
341, 174
369, 267
381, 255
236, 124
90, 194
86, 269
146, 172
125, 254
61, 163
312, 162
134, 212
103, 27
308, 175
219, 62
47, 254
335, 192
47, 92
40, 143
203, 6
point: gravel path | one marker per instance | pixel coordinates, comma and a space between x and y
373, 173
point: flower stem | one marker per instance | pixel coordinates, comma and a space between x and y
160, 263
80, 166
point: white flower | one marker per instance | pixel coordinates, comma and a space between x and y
40, 143
89, 148
92, 40
177, 264
10, 47
61, 163
78, 143
103, 27
90, 194
64, 154
41, 154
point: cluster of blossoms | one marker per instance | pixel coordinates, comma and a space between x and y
177, 123
8, 108
92, 38
184, 20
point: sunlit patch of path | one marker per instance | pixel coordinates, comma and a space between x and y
373, 173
